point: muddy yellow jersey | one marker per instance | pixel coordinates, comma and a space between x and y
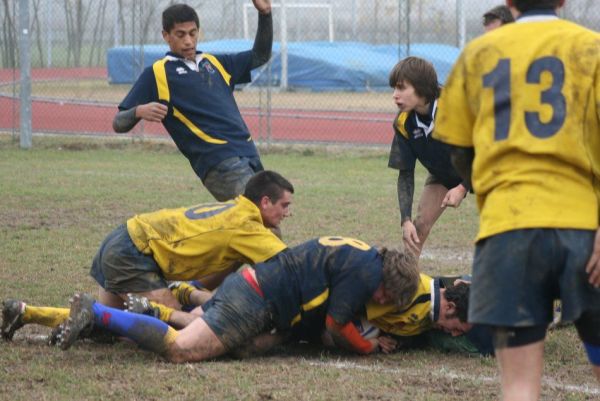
526, 96
409, 321
190, 243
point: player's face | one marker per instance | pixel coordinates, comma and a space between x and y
273, 212
406, 98
380, 296
452, 325
182, 39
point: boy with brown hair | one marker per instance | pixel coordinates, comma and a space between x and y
416, 90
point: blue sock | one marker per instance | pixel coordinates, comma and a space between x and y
145, 330
593, 352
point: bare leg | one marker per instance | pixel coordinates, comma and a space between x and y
181, 319
199, 297
109, 299
429, 210
521, 371
197, 342
162, 296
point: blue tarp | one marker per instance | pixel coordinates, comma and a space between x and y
317, 66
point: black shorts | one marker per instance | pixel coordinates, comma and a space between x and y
119, 267
518, 274
237, 313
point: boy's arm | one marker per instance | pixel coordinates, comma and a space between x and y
125, 120
263, 42
406, 189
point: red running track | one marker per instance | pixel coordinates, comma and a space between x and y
287, 125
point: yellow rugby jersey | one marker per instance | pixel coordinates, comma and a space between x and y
190, 243
526, 96
409, 321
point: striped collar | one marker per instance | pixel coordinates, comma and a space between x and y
191, 64
435, 300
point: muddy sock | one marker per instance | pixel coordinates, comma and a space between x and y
46, 316
146, 331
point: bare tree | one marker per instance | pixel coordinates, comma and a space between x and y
121, 22
147, 21
36, 28
98, 33
77, 15
8, 41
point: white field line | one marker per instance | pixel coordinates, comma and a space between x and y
447, 374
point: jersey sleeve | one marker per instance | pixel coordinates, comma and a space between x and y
401, 155
454, 119
350, 293
238, 66
143, 91
256, 243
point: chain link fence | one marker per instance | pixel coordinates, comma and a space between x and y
326, 81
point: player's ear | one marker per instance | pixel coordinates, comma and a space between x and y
265, 202
450, 307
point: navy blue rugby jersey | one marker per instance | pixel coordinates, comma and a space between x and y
413, 141
203, 118
328, 275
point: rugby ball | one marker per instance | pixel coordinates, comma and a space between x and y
366, 329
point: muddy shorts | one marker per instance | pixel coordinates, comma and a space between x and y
518, 274
228, 179
119, 267
237, 313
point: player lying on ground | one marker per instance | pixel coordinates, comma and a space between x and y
331, 278
436, 317
204, 241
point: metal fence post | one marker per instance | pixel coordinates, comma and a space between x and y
25, 59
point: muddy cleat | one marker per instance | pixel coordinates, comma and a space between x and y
96, 334
12, 317
142, 305
80, 321
55, 335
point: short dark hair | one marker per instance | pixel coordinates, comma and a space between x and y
420, 74
527, 5
267, 183
459, 295
176, 14
499, 12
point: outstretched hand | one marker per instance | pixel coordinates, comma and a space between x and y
454, 196
593, 266
410, 237
387, 344
263, 6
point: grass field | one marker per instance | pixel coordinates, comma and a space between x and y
61, 198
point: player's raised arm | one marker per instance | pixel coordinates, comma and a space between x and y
263, 42
263, 6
